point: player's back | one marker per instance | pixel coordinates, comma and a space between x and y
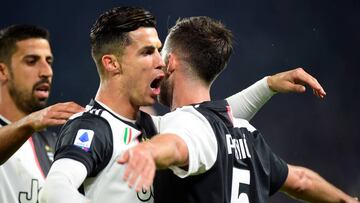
245, 168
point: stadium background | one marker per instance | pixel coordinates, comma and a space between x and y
271, 36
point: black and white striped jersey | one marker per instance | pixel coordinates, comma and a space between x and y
229, 160
23, 174
96, 138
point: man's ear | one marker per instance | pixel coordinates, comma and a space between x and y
111, 63
4, 72
172, 61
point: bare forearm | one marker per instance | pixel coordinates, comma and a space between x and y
12, 137
169, 150
307, 185
15, 134
142, 160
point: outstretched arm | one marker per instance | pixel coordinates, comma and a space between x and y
161, 151
246, 103
186, 149
295, 81
305, 184
62, 183
15, 134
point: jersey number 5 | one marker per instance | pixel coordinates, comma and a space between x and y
240, 176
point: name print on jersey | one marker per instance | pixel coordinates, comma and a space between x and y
239, 146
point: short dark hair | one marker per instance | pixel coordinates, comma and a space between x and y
205, 44
112, 27
14, 33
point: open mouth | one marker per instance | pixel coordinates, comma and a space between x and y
42, 90
155, 84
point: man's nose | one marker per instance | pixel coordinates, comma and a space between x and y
46, 70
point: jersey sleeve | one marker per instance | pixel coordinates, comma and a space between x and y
199, 137
248, 102
87, 139
275, 165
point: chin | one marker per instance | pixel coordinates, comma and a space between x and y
149, 102
42, 101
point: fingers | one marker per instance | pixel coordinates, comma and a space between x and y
70, 107
302, 77
124, 158
297, 88
56, 114
140, 169
62, 111
295, 81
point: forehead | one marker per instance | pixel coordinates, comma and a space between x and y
33, 46
144, 36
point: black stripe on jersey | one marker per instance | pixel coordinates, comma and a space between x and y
97, 106
44, 143
99, 154
147, 126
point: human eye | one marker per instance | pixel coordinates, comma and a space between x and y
50, 60
148, 51
31, 60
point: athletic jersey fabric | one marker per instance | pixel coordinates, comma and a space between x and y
22, 175
229, 160
96, 138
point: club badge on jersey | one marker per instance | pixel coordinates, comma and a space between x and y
84, 138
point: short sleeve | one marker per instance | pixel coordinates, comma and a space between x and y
87, 139
279, 173
278, 169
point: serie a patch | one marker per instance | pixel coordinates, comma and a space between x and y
84, 138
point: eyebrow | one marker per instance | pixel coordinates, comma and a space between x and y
37, 57
147, 48
31, 56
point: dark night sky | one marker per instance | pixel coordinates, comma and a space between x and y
271, 36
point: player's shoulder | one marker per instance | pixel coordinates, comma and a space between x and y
91, 119
86, 127
91, 115
184, 113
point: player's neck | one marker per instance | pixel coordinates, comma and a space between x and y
8, 108
189, 92
117, 101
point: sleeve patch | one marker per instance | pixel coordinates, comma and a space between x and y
84, 138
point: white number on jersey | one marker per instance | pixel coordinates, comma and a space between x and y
240, 176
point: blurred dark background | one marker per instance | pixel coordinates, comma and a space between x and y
271, 36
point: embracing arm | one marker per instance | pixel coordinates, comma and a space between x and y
62, 183
15, 134
161, 151
187, 149
246, 103
305, 184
